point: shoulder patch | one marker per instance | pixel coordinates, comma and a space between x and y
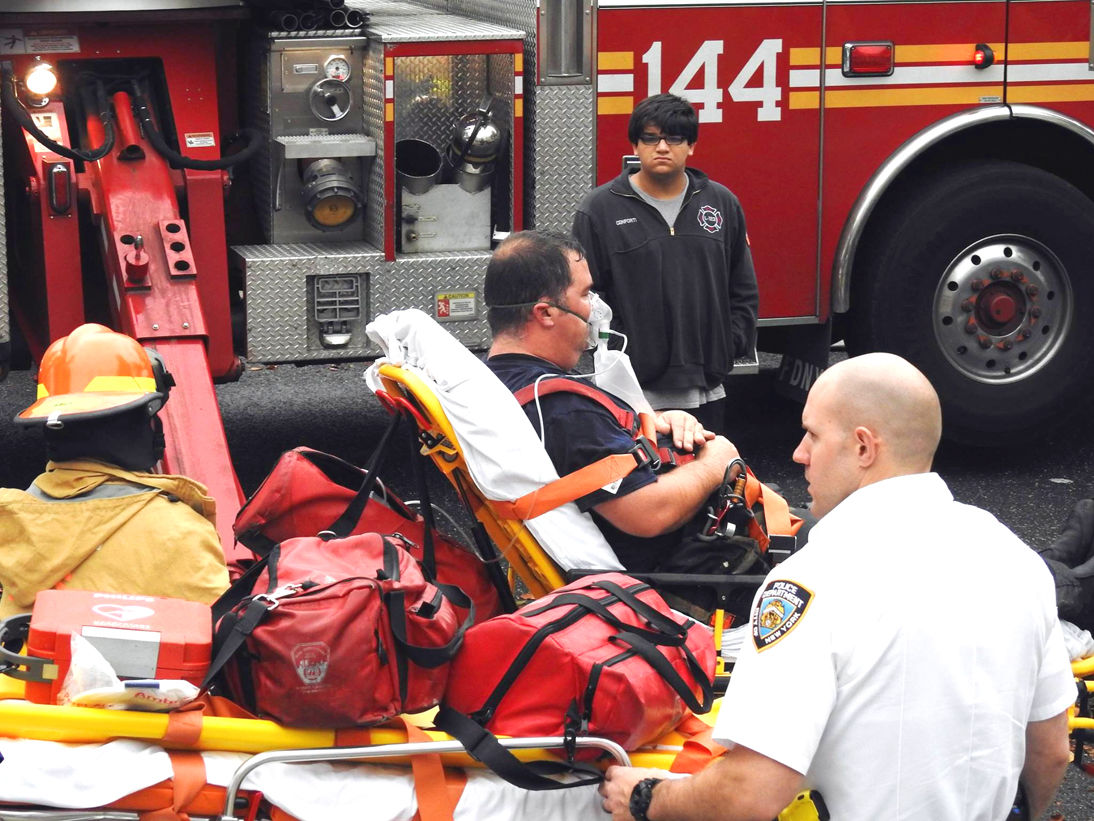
781, 607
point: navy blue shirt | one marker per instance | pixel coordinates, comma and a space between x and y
579, 432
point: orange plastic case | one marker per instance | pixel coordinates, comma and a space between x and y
143, 637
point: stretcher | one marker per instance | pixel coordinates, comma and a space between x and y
61, 760
478, 436
1080, 721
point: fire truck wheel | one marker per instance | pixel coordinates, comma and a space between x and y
982, 278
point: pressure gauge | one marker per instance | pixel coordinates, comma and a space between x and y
337, 68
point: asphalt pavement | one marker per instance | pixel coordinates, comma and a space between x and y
1029, 485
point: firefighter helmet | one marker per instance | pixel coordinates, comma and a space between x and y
93, 373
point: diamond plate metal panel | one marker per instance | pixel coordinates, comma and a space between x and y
413, 281
277, 278
373, 79
563, 149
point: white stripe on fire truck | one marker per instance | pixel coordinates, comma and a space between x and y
615, 83
389, 89
939, 75
912, 75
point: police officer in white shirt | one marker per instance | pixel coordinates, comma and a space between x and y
907, 663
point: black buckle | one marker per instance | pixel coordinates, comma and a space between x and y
645, 453
781, 546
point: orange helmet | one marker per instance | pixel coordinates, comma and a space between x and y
95, 372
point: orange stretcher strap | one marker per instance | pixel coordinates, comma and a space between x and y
699, 749
568, 488
187, 782
435, 802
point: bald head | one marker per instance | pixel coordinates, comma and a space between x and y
891, 397
866, 419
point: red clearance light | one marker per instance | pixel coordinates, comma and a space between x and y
983, 56
868, 59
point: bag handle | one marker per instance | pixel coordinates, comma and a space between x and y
428, 657
482, 745
230, 633
670, 634
343, 526
664, 668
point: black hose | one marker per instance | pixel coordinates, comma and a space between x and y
354, 19
177, 160
309, 20
15, 107
337, 19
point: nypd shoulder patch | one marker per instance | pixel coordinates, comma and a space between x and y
781, 607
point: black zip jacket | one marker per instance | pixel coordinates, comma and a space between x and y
685, 296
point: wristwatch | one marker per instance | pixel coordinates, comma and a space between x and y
641, 796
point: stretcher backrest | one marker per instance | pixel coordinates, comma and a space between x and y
478, 435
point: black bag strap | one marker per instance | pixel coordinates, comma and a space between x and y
428, 657
425, 509
655, 659
231, 630
483, 746
344, 524
672, 635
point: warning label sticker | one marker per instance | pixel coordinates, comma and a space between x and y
453, 305
38, 41
200, 139
50, 124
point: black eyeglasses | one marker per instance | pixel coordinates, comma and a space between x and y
654, 139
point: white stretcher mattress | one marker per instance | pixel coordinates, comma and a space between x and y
81, 776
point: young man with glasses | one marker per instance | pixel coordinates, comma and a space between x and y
668, 251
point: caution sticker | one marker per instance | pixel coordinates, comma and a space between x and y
454, 305
200, 139
782, 606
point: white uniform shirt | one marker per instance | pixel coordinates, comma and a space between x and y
896, 660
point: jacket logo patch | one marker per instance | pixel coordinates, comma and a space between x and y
626, 220
710, 219
782, 606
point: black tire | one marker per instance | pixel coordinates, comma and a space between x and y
984, 278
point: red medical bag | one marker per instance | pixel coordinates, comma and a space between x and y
143, 637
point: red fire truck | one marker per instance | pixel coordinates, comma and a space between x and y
916, 176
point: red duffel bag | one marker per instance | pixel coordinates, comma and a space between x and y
336, 633
603, 656
309, 492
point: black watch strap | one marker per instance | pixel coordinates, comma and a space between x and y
641, 796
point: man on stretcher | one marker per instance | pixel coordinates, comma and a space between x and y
543, 316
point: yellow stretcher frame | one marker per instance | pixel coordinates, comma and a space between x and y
527, 559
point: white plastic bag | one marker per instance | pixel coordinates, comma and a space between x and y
91, 682
1079, 642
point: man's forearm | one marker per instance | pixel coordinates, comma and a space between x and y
1047, 754
740, 786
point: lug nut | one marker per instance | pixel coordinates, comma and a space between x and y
1004, 345
978, 284
968, 305
971, 326
1032, 290
983, 341
1025, 333
998, 273
1018, 277
1035, 312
